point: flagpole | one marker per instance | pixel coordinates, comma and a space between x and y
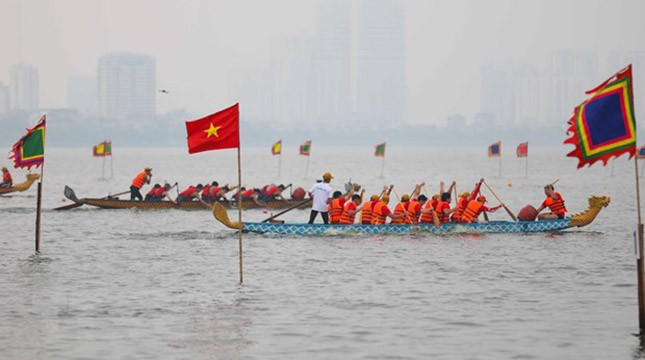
103, 170
40, 196
526, 169
642, 168
307, 168
639, 260
280, 162
239, 209
500, 164
382, 165
612, 166
111, 166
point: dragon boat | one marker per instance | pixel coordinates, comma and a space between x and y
23, 186
116, 203
596, 203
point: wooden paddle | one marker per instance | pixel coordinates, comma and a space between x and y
287, 210
501, 202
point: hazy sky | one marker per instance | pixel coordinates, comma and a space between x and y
198, 44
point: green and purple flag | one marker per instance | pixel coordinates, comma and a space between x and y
379, 150
30, 149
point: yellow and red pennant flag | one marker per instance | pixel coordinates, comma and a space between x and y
276, 149
379, 150
305, 148
220, 130
523, 149
603, 126
495, 149
30, 149
103, 148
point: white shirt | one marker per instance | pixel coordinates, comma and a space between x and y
320, 192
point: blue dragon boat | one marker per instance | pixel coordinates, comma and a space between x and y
596, 203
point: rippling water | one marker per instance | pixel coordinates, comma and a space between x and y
165, 284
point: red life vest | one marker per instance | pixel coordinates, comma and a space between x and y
378, 215
212, 192
152, 191
556, 206
336, 210
472, 211
366, 212
205, 191
247, 194
399, 209
139, 180
159, 193
345, 218
271, 190
188, 193
6, 178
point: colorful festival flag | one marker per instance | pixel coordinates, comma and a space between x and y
523, 149
640, 154
30, 149
276, 149
102, 149
220, 130
603, 126
379, 150
305, 148
495, 149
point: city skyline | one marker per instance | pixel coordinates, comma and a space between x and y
446, 45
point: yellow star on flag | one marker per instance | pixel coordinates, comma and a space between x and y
212, 130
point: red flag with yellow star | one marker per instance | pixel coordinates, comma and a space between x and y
216, 131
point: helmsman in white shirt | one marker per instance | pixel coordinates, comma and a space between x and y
321, 194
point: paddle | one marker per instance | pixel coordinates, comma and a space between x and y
287, 210
501, 202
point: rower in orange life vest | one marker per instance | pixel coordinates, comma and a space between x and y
555, 202
163, 192
7, 181
409, 207
380, 212
463, 201
443, 205
337, 204
475, 208
141, 179
368, 206
350, 209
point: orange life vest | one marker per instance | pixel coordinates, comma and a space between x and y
347, 219
556, 206
427, 217
472, 211
378, 218
6, 178
366, 213
399, 209
139, 180
461, 207
443, 217
336, 211
412, 212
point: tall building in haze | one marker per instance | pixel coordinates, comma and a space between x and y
380, 63
4, 99
82, 94
126, 85
24, 88
572, 73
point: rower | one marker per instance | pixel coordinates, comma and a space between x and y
217, 193
337, 205
555, 202
192, 192
151, 195
141, 179
7, 181
206, 190
350, 209
443, 206
380, 212
248, 195
476, 207
164, 192
368, 206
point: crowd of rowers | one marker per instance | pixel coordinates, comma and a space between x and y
413, 208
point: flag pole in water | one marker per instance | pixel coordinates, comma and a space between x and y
239, 208
639, 260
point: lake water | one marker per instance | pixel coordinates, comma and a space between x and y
128, 284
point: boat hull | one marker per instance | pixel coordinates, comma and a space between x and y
483, 228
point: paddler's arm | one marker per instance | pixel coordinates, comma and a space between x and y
417, 191
452, 186
167, 196
476, 189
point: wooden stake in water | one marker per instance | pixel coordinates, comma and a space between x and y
500, 166
103, 169
279, 163
639, 261
382, 166
239, 209
307, 168
39, 203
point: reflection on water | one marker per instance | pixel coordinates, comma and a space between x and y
163, 284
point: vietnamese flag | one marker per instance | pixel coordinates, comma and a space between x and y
216, 131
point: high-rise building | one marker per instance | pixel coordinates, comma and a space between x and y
24, 88
4, 99
498, 93
571, 73
332, 62
380, 62
82, 94
126, 85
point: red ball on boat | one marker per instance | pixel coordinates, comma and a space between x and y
528, 213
